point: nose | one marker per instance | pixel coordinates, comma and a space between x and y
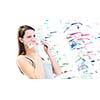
33, 39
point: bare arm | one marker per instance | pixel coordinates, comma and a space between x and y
56, 67
33, 72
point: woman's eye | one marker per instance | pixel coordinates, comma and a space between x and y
29, 37
34, 35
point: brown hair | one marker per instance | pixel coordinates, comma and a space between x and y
21, 32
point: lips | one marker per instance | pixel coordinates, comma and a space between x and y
33, 41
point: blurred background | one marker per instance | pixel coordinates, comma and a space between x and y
75, 43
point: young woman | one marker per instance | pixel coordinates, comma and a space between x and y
29, 60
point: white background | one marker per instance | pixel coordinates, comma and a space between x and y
15, 13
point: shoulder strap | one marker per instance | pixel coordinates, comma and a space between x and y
30, 60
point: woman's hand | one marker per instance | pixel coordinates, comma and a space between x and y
33, 47
46, 46
55, 65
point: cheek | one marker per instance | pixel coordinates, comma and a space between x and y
26, 41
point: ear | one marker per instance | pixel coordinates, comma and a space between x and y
21, 40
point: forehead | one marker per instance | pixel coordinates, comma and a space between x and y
29, 32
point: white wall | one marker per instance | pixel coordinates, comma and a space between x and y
14, 13
32, 12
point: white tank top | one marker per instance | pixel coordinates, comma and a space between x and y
47, 68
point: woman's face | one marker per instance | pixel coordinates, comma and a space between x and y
29, 38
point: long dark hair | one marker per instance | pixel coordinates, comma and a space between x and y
21, 32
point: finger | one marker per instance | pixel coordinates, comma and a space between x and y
44, 43
46, 46
30, 45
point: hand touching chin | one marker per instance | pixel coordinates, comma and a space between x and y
32, 47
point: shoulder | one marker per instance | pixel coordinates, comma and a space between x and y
24, 60
20, 57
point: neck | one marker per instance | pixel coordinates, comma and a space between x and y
32, 53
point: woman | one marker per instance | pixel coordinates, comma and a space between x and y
29, 60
